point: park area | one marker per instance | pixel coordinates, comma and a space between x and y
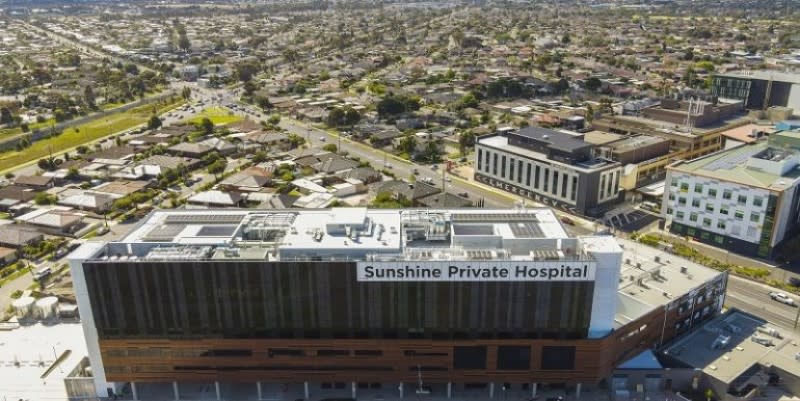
84, 133
217, 115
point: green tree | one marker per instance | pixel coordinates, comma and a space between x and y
5, 116
43, 198
217, 167
207, 126
186, 93
88, 96
408, 144
154, 122
593, 84
466, 140
260, 157
330, 148
274, 119
335, 117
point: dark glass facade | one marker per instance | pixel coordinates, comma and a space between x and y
295, 300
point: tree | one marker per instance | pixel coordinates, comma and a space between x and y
186, 93
565, 39
183, 43
154, 122
408, 144
330, 148
260, 157
466, 140
335, 117
207, 126
217, 167
5, 116
43, 198
88, 96
593, 84
48, 163
432, 153
467, 101
351, 116
263, 102
72, 174
274, 119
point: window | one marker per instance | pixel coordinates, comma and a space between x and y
602, 186
691, 232
705, 235
511, 170
519, 171
367, 352
555, 182
742, 199
546, 179
726, 194
698, 188
719, 239
228, 352
480, 159
494, 164
558, 358
564, 178
679, 215
712, 192
503, 167
706, 222
536, 178
674, 182
754, 217
692, 216
723, 210
758, 201
709, 207
528, 176
684, 187
682, 201
695, 202
721, 225
671, 196
513, 357
574, 190
469, 357
333, 352
487, 161
285, 352
669, 210
739, 215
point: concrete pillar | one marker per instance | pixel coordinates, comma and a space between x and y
258, 388
400, 387
449, 390
133, 390
216, 387
353, 389
533, 389
175, 390
491, 390
578, 391
305, 390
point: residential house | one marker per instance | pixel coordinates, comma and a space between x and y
17, 236
54, 221
7, 256
88, 201
216, 198
252, 179
39, 182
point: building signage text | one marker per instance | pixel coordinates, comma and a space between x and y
481, 271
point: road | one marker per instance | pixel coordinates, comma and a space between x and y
753, 298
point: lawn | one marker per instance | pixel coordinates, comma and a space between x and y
31, 126
85, 133
217, 115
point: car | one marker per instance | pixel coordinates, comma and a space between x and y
566, 220
322, 139
782, 298
387, 165
102, 230
464, 194
793, 281
416, 171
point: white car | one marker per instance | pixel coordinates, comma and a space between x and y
782, 298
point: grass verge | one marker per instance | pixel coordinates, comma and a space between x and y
217, 115
82, 134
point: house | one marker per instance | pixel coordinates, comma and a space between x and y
251, 179
444, 200
88, 201
17, 236
7, 256
190, 149
272, 140
404, 190
216, 198
54, 221
155, 164
17, 193
119, 189
34, 181
367, 175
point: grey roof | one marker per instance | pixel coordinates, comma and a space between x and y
554, 139
16, 235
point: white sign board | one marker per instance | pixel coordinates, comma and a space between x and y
476, 271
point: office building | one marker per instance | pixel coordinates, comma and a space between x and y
354, 299
744, 199
556, 168
759, 89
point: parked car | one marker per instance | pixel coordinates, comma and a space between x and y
782, 298
566, 220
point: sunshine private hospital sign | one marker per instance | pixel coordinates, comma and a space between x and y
481, 271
